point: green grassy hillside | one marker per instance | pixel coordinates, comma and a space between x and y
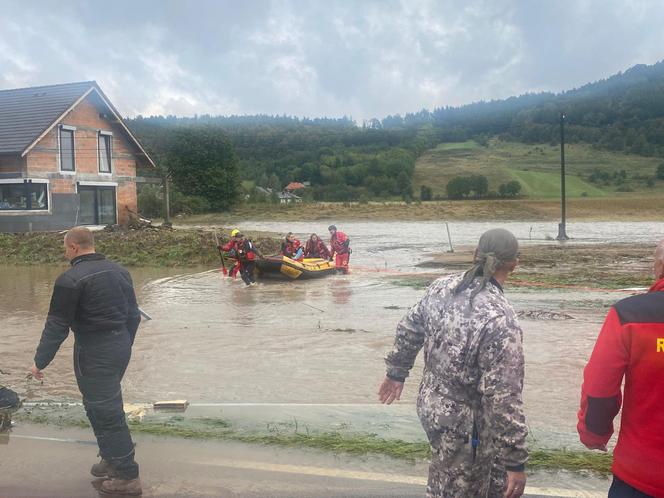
540, 184
536, 167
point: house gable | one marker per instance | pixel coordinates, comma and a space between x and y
89, 118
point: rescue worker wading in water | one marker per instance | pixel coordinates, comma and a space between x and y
246, 253
230, 249
316, 248
340, 246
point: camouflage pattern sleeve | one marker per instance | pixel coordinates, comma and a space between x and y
501, 365
407, 343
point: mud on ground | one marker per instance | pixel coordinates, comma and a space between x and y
602, 266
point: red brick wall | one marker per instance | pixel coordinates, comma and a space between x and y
42, 160
11, 164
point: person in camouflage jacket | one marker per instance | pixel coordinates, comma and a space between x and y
469, 401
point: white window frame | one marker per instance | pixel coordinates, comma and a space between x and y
14, 181
97, 184
110, 153
102, 184
73, 130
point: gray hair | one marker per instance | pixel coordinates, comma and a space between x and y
495, 248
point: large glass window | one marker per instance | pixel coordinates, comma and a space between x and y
105, 152
67, 149
37, 196
23, 196
97, 205
106, 206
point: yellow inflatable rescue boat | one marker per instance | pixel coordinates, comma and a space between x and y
290, 269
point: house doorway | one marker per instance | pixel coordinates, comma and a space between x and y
97, 205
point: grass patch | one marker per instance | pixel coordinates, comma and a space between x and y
414, 282
58, 420
447, 146
592, 278
575, 461
147, 248
544, 184
502, 161
337, 442
595, 266
354, 444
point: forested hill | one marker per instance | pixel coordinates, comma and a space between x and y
622, 113
346, 161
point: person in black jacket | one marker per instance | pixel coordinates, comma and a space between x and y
96, 299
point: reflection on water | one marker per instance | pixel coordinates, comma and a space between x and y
322, 341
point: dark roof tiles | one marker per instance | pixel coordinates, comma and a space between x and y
25, 113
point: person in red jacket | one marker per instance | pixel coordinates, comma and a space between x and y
339, 244
246, 253
630, 345
316, 248
290, 247
229, 248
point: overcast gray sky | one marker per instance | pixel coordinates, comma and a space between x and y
322, 58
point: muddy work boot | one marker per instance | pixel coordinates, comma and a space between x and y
115, 486
9, 403
103, 469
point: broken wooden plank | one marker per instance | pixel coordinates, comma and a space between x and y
178, 404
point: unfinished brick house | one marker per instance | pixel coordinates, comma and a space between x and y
66, 159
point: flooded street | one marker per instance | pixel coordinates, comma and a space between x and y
310, 349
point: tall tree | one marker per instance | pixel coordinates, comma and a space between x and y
202, 162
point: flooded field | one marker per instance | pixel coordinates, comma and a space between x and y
313, 350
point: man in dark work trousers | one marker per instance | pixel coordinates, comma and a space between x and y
96, 299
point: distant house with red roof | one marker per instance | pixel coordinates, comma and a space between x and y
292, 186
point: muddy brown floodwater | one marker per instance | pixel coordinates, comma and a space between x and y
319, 342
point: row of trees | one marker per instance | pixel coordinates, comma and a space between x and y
340, 160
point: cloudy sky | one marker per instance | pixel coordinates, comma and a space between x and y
364, 58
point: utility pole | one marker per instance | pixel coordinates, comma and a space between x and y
167, 201
562, 232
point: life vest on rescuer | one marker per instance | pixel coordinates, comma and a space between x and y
244, 250
289, 248
340, 243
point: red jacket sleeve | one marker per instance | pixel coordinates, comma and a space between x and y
228, 246
600, 394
